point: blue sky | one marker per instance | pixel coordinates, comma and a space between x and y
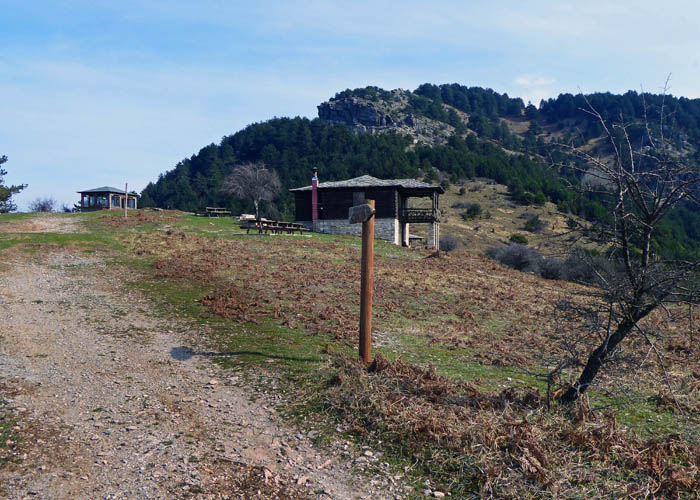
99, 93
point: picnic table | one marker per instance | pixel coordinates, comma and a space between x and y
274, 226
216, 212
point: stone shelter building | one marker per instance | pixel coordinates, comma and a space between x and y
107, 198
323, 207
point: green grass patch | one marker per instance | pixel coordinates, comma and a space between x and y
269, 343
456, 364
9, 437
33, 242
642, 415
5, 244
238, 345
16, 217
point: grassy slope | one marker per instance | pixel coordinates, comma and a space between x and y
289, 305
501, 218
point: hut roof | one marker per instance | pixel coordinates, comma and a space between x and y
367, 181
107, 189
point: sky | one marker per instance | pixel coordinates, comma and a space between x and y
96, 93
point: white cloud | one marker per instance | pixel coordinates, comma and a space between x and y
534, 88
533, 81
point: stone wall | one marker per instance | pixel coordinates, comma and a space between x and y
433, 240
384, 229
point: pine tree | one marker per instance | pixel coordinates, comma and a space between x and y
6, 192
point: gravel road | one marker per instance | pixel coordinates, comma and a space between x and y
114, 401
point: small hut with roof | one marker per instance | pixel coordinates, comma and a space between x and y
107, 198
329, 213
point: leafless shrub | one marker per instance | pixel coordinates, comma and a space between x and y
449, 242
461, 204
517, 256
46, 204
578, 267
584, 267
534, 224
552, 268
254, 182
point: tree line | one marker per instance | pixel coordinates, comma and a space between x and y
293, 147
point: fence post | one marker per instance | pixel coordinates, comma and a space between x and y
365, 213
367, 285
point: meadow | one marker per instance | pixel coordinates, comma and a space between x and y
457, 397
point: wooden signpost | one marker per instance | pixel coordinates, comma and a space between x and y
365, 214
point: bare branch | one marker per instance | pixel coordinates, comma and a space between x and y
254, 182
641, 185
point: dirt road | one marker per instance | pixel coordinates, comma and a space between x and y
114, 401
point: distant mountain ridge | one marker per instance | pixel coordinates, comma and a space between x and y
433, 113
438, 132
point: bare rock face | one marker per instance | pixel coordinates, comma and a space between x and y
354, 111
391, 113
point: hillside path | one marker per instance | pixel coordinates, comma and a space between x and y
115, 402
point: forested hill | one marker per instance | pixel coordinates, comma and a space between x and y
443, 133
294, 146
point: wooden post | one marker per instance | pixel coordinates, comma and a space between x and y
126, 198
367, 284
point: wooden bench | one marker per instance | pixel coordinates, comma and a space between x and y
216, 212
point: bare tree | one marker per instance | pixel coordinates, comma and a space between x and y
254, 182
46, 204
640, 184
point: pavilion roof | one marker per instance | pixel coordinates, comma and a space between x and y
107, 189
367, 181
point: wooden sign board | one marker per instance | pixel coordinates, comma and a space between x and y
360, 213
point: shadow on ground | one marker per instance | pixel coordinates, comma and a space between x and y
185, 353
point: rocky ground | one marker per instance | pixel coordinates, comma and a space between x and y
111, 400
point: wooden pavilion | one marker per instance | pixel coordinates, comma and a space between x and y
393, 213
107, 198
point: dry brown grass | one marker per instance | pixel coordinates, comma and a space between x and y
461, 301
238, 481
138, 218
507, 217
315, 285
506, 444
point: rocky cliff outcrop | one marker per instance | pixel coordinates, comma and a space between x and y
390, 113
354, 111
